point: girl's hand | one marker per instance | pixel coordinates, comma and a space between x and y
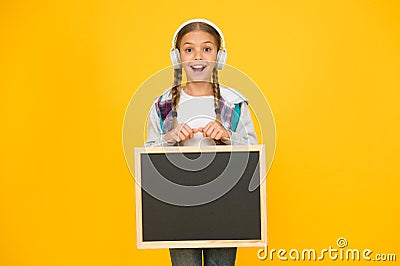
215, 131
180, 133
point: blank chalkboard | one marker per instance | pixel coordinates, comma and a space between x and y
200, 196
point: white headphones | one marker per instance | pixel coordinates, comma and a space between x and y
221, 55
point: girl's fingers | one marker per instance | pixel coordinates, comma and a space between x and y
209, 124
219, 135
214, 133
184, 131
215, 130
224, 138
182, 137
205, 133
174, 136
192, 131
184, 134
177, 138
211, 129
189, 131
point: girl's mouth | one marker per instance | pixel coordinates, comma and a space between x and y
198, 68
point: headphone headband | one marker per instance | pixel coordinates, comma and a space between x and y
199, 20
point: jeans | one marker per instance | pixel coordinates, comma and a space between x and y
212, 256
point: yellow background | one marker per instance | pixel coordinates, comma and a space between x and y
329, 69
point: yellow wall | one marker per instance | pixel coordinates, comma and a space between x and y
329, 69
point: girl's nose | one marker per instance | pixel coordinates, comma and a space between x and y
197, 55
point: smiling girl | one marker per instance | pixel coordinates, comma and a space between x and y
201, 112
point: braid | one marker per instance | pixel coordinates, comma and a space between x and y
176, 94
217, 95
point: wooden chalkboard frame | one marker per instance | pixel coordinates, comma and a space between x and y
141, 244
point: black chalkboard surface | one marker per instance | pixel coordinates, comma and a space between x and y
200, 196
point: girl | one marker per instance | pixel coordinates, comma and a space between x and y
200, 113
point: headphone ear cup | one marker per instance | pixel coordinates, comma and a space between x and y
175, 58
221, 59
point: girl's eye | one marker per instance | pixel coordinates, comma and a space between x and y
189, 50
207, 49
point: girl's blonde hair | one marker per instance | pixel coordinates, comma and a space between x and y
178, 72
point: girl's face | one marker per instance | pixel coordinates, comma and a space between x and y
198, 50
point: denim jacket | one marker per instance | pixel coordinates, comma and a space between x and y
235, 117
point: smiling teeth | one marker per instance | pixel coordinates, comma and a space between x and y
198, 67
